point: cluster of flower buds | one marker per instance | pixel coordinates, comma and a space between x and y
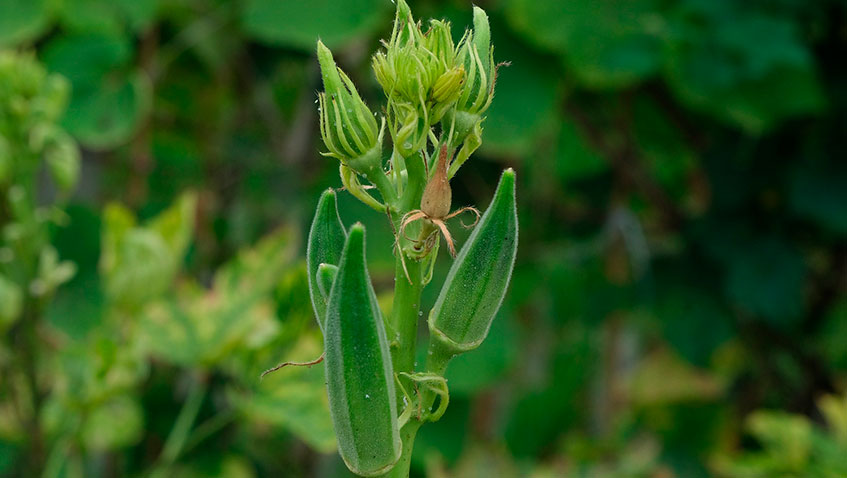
476, 55
428, 80
348, 127
421, 77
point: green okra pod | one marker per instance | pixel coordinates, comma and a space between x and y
325, 243
478, 278
360, 376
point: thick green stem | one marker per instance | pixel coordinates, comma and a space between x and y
417, 182
407, 434
436, 362
408, 285
405, 314
383, 185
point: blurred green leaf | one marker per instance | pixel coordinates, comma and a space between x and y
483, 462
662, 145
740, 65
575, 158
527, 98
114, 424
95, 370
831, 336
22, 21
544, 413
299, 24
606, 43
294, 398
216, 466
819, 192
109, 97
11, 302
693, 323
199, 327
768, 280
138, 264
663, 378
8, 454
107, 16
446, 438
468, 373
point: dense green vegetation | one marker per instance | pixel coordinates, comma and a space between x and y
679, 301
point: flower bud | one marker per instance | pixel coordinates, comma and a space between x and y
445, 92
401, 69
438, 51
348, 127
410, 128
477, 56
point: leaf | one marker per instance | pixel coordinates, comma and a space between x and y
294, 398
555, 404
819, 193
739, 65
768, 280
11, 302
108, 116
662, 146
575, 158
787, 436
116, 423
63, 163
525, 102
607, 43
663, 378
107, 16
299, 24
470, 373
110, 98
139, 263
830, 339
215, 466
198, 326
176, 224
8, 456
693, 323
21, 21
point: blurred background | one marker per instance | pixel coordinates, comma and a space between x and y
679, 305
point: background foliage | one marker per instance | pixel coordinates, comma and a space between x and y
679, 305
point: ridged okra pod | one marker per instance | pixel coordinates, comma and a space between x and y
324, 246
359, 373
478, 279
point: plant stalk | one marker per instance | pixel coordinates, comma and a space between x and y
405, 314
437, 361
179, 434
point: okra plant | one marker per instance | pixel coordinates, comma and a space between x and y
437, 93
